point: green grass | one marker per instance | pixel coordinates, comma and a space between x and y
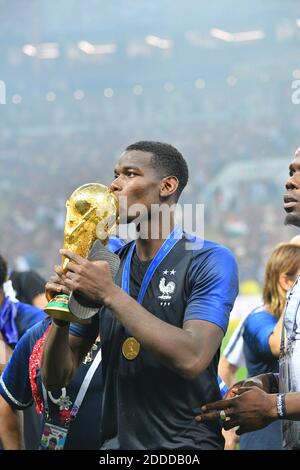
242, 371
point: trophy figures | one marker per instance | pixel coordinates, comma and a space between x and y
92, 211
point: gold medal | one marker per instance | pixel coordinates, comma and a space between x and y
131, 348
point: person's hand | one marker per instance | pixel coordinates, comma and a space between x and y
251, 408
251, 382
56, 284
92, 279
231, 439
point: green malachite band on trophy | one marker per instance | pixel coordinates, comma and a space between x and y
60, 301
60, 305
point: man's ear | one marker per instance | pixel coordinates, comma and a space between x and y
169, 186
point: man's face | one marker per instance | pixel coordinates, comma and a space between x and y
292, 194
137, 181
52, 445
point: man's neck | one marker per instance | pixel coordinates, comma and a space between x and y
147, 247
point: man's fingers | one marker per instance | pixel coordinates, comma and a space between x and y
241, 430
241, 390
70, 276
217, 405
230, 423
59, 271
72, 256
211, 416
52, 289
224, 415
73, 267
70, 284
56, 287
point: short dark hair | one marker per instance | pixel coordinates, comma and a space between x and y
166, 159
3, 271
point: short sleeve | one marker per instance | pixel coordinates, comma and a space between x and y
27, 316
89, 331
14, 382
115, 244
258, 327
213, 282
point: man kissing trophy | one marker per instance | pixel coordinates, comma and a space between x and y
92, 212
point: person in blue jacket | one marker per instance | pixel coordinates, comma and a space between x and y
15, 317
70, 415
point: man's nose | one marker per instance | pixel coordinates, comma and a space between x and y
293, 182
116, 185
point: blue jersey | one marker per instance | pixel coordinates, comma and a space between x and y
115, 243
16, 389
258, 327
145, 404
27, 316
16, 318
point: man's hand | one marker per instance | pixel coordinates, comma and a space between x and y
56, 284
92, 279
250, 382
251, 408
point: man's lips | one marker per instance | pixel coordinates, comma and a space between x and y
289, 202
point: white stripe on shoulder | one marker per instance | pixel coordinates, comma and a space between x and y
14, 400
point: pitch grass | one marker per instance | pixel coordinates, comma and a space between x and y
242, 371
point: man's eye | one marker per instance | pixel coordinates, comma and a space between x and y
131, 174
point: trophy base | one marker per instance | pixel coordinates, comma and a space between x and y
58, 308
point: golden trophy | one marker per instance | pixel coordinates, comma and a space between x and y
92, 212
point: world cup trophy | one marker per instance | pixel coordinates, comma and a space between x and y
92, 212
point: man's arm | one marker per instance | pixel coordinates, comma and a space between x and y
11, 427
15, 393
227, 371
187, 350
275, 337
62, 354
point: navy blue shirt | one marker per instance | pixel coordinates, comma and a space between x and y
145, 404
16, 390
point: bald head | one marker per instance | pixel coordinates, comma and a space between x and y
297, 153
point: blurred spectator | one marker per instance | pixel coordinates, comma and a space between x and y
15, 319
29, 287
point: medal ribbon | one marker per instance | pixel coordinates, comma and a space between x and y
164, 250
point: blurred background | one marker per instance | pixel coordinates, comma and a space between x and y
83, 79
